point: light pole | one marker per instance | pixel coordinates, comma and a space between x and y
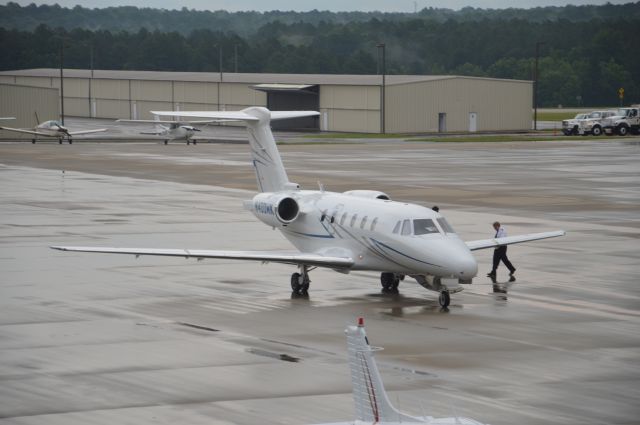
382, 93
235, 57
62, 81
220, 68
535, 89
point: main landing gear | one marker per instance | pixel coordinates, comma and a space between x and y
444, 299
300, 281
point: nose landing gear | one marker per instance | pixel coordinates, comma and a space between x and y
390, 282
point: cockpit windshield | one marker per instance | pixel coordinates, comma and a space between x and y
423, 226
446, 227
52, 123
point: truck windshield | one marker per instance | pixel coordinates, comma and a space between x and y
622, 112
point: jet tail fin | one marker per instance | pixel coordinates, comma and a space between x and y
265, 156
369, 395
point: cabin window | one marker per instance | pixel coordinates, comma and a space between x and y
397, 228
344, 217
364, 222
373, 224
446, 227
353, 219
406, 227
424, 226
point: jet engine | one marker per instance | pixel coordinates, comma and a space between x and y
275, 208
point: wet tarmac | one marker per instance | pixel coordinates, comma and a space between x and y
109, 339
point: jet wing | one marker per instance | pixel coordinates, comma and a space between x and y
509, 240
76, 133
21, 130
264, 256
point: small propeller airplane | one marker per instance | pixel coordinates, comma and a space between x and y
354, 230
174, 130
371, 400
52, 128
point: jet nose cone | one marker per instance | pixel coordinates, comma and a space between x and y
467, 267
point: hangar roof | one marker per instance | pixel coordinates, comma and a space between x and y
230, 77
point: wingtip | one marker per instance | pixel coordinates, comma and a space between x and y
60, 248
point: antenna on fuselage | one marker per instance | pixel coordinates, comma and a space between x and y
320, 186
37, 119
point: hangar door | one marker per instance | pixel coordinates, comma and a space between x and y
292, 97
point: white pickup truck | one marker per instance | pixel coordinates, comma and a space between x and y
593, 123
570, 127
624, 121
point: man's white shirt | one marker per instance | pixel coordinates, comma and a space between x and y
501, 233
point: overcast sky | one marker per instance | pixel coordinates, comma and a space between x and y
333, 5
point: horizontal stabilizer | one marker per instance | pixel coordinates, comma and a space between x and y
171, 121
285, 115
265, 256
509, 240
247, 115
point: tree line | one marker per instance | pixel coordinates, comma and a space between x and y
582, 62
184, 21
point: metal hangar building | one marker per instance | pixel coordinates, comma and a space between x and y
347, 103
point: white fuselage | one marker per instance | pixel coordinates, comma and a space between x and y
52, 128
179, 132
362, 228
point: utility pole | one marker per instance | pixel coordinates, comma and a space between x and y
62, 81
220, 67
235, 56
535, 88
382, 93
90, 79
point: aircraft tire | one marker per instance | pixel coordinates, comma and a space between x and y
396, 283
295, 283
444, 299
387, 280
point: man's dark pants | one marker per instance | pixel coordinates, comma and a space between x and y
500, 254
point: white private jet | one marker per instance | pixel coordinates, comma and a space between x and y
52, 128
371, 400
354, 230
173, 130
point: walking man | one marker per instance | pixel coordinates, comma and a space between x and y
500, 253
